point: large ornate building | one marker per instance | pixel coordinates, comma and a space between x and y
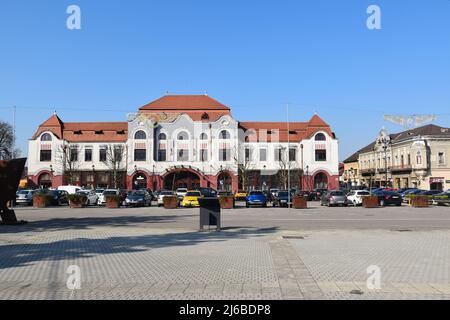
184, 141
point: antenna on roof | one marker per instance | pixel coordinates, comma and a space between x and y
410, 121
54, 113
167, 93
206, 92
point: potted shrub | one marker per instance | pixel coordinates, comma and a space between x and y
42, 200
419, 201
170, 202
226, 202
113, 201
370, 201
300, 202
77, 200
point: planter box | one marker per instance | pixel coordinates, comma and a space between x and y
226, 202
76, 205
170, 202
370, 202
41, 201
300, 202
419, 202
112, 203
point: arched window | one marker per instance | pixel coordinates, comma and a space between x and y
203, 136
140, 135
224, 135
162, 137
183, 136
320, 137
46, 137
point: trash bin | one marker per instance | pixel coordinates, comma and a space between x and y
209, 213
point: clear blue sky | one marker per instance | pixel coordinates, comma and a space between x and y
251, 55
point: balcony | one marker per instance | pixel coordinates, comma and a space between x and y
401, 168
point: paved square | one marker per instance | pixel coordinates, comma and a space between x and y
152, 253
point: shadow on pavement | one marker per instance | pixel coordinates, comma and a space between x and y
19, 255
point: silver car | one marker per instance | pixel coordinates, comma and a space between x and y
334, 198
25, 197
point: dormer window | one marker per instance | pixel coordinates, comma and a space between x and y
46, 137
320, 137
78, 132
205, 116
121, 132
99, 132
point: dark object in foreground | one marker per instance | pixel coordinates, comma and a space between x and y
209, 213
10, 173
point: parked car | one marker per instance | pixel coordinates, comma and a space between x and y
25, 197
317, 194
181, 192
107, 192
410, 193
99, 192
386, 198
256, 198
138, 198
91, 197
161, 195
240, 195
282, 199
70, 189
273, 191
442, 198
403, 193
334, 198
191, 199
58, 197
207, 192
355, 197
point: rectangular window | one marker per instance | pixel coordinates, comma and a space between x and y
247, 154
140, 154
162, 155
224, 155
321, 155
183, 155
441, 158
102, 155
46, 155
263, 155
73, 154
278, 154
118, 155
203, 155
292, 154
88, 155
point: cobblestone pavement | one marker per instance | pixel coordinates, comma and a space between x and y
129, 258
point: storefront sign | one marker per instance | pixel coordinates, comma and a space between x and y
437, 180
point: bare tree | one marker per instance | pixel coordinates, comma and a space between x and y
288, 169
244, 165
114, 161
7, 149
67, 155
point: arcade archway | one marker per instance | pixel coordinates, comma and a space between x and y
140, 181
45, 181
321, 181
224, 182
181, 179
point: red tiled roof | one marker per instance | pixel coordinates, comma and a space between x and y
184, 103
297, 130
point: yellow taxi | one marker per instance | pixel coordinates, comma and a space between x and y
191, 199
240, 195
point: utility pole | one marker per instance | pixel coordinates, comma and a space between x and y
288, 155
13, 151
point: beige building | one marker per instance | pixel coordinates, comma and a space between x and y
350, 177
413, 158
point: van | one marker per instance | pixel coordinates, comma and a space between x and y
70, 189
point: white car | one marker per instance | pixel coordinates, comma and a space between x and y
70, 189
181, 192
92, 197
25, 197
161, 196
355, 197
108, 192
99, 192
